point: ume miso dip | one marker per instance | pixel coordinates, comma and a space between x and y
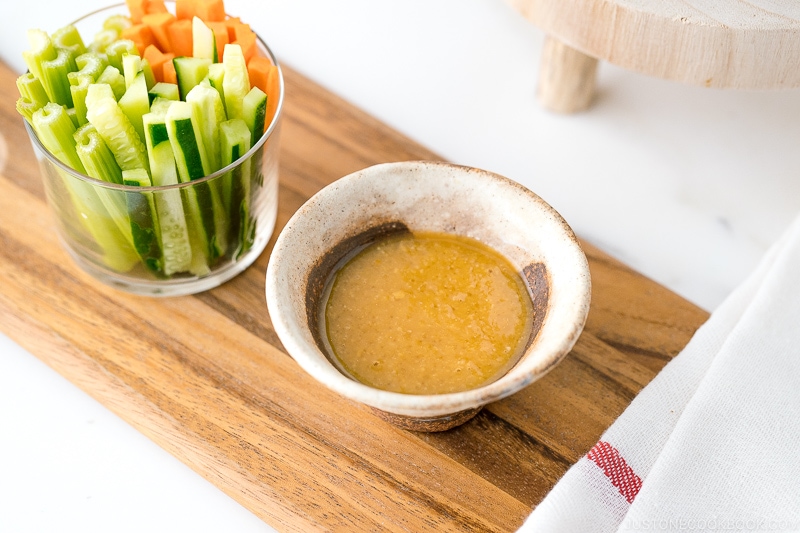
426, 313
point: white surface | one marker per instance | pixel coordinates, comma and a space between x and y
687, 185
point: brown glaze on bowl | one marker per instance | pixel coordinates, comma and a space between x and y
440, 197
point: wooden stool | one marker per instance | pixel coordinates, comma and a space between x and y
715, 43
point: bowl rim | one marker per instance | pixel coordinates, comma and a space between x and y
298, 348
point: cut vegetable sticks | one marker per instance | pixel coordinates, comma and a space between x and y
180, 37
158, 23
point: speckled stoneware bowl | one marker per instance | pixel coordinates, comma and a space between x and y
428, 196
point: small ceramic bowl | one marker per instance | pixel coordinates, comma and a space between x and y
439, 197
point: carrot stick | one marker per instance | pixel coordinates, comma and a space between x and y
211, 10
137, 9
273, 94
258, 68
159, 22
157, 61
246, 39
186, 9
231, 24
180, 37
141, 35
221, 36
168, 72
156, 6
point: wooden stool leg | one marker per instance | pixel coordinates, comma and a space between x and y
566, 78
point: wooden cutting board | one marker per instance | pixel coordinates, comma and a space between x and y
206, 378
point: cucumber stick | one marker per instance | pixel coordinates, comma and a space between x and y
168, 91
143, 219
234, 143
254, 111
190, 71
172, 229
236, 80
204, 44
135, 103
114, 127
205, 207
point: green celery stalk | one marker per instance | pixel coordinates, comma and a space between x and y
27, 108
68, 38
31, 88
55, 77
79, 91
99, 163
102, 39
89, 64
55, 130
117, 23
119, 48
41, 49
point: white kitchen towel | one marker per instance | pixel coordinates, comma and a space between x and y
713, 442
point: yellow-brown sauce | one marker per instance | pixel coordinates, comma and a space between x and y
427, 313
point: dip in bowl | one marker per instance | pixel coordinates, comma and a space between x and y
427, 197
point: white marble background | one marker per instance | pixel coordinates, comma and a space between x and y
687, 185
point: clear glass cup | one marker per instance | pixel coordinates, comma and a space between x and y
117, 233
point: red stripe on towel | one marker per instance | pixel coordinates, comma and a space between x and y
616, 469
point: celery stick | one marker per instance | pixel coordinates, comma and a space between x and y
236, 81
254, 109
55, 131
102, 39
142, 212
73, 117
78, 92
55, 77
112, 77
119, 48
115, 128
172, 229
68, 38
26, 108
135, 103
99, 163
89, 64
95, 155
117, 23
41, 49
31, 88
234, 143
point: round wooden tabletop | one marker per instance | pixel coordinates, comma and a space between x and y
738, 44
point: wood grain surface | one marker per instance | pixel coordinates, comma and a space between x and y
206, 378
740, 44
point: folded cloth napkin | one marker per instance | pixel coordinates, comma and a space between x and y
713, 442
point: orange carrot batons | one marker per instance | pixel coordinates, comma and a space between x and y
156, 6
273, 94
258, 68
168, 72
159, 23
186, 9
220, 35
246, 38
211, 10
157, 60
140, 34
137, 9
180, 37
